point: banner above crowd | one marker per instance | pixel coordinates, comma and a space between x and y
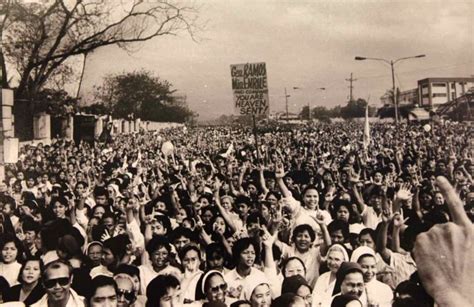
249, 84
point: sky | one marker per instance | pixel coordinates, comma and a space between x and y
305, 44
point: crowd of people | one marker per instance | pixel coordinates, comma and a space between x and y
210, 216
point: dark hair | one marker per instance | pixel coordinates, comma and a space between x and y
342, 300
302, 228
156, 243
8, 238
187, 248
101, 281
101, 191
158, 288
30, 258
256, 218
310, 187
368, 231
216, 248
241, 245
163, 220
181, 231
56, 264
339, 225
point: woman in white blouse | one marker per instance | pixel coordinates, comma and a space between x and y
323, 290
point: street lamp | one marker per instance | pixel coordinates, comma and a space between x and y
309, 101
391, 63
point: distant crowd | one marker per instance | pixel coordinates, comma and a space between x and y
306, 215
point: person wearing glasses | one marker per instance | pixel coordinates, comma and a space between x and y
104, 292
57, 278
126, 294
213, 288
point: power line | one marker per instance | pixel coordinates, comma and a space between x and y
351, 98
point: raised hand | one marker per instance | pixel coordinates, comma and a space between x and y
279, 171
404, 193
444, 255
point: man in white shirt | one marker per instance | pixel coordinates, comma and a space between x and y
57, 278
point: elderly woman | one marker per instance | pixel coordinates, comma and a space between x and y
324, 288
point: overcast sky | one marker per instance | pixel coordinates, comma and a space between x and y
307, 44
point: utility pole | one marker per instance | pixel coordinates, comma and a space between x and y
351, 98
286, 101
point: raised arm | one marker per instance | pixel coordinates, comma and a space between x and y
279, 174
381, 244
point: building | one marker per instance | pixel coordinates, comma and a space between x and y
409, 97
433, 92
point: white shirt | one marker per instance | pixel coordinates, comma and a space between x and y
10, 272
75, 300
234, 280
147, 274
322, 292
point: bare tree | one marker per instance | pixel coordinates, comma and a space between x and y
39, 38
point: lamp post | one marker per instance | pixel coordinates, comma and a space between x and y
309, 101
286, 102
391, 63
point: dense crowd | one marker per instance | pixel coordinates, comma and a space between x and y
305, 216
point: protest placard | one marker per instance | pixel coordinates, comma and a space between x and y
249, 84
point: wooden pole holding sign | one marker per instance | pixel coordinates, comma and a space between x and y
250, 89
256, 139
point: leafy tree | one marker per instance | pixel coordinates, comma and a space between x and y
142, 94
40, 38
354, 108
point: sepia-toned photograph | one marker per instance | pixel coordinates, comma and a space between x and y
239, 153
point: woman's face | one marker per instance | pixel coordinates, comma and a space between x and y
207, 216
342, 214
226, 203
216, 262
311, 199
108, 257
294, 267
219, 225
247, 256
335, 259
438, 199
261, 296
378, 178
159, 258
181, 216
303, 241
9, 252
95, 254
305, 293
191, 261
366, 240
272, 199
99, 212
59, 210
216, 289
31, 272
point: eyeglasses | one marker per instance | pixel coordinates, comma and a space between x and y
129, 295
63, 281
221, 287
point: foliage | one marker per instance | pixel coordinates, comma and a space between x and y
140, 94
55, 102
353, 109
40, 38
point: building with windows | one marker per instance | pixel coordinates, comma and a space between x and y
433, 92
408, 97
